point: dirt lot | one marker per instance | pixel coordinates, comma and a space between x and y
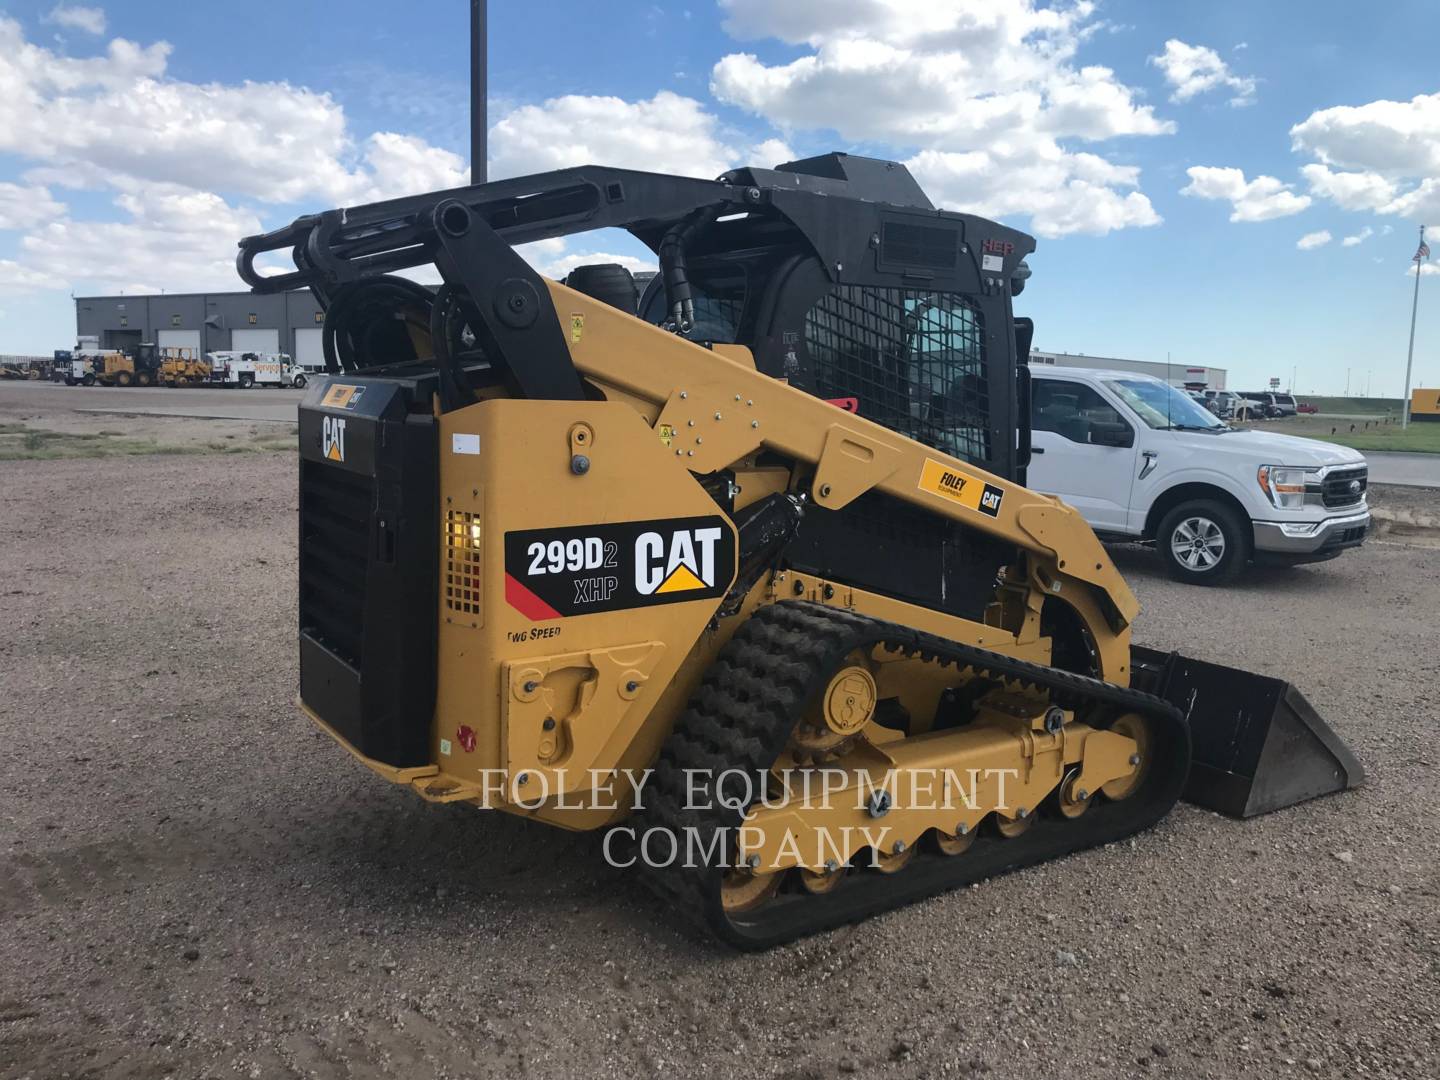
193, 883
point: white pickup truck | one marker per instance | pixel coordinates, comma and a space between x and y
1141, 460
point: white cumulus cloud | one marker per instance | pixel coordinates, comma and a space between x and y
186, 164
1260, 199
119, 114
1358, 238
1062, 193
1349, 190
1382, 156
583, 130
1311, 241
1195, 69
169, 237
668, 133
967, 89
74, 17
22, 206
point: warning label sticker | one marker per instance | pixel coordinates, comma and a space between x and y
957, 486
342, 396
553, 573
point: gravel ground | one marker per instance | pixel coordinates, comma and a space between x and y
193, 883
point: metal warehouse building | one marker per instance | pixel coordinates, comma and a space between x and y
1209, 378
206, 322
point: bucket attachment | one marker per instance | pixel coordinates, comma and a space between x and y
1258, 745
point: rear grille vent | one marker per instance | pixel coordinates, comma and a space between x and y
462, 561
919, 245
335, 510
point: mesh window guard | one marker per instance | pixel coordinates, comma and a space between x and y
915, 359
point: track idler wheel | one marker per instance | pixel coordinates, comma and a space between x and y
895, 860
818, 882
1070, 800
744, 890
1132, 726
1011, 827
956, 843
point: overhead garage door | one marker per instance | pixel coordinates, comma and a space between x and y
256, 341
179, 339
310, 348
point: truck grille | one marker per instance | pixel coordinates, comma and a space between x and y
335, 510
1340, 487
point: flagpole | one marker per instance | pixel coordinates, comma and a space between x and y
1410, 356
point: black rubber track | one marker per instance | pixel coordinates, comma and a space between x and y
741, 718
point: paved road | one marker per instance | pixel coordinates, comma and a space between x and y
1418, 470
219, 404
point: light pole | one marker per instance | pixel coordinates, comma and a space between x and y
1421, 254
479, 63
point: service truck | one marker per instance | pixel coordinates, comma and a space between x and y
248, 369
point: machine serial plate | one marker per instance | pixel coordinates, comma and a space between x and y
951, 483
581, 570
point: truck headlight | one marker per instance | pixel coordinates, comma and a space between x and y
1284, 486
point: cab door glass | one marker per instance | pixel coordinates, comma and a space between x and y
1075, 412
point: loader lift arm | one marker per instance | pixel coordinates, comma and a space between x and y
468, 234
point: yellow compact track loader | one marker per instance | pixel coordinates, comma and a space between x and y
741, 567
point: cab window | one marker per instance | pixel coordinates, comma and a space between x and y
719, 290
1071, 410
914, 359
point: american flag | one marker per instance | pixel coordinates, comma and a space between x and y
1423, 252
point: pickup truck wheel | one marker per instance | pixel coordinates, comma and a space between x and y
1203, 543
247, 381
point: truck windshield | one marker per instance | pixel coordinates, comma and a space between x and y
1163, 407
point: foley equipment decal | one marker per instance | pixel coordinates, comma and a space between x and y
342, 396
948, 481
580, 570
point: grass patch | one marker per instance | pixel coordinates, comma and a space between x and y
21, 443
1422, 437
1352, 406
1413, 441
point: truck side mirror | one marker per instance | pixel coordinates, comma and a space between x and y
1103, 433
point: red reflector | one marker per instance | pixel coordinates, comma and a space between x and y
849, 404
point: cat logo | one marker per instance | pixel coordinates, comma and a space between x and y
680, 561
332, 438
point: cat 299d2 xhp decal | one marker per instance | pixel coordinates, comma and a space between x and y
553, 573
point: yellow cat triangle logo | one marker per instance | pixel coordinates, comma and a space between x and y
681, 580
332, 438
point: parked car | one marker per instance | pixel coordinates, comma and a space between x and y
1140, 460
1275, 405
1229, 405
1306, 407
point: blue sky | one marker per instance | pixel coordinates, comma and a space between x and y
1170, 157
